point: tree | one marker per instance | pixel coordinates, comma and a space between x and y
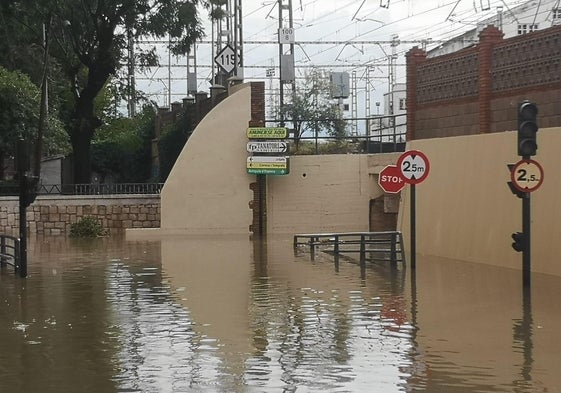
19, 111
88, 40
122, 148
312, 109
19, 114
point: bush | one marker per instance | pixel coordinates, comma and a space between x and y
87, 227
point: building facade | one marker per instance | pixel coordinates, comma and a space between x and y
526, 18
476, 90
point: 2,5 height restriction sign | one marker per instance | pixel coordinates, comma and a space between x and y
527, 175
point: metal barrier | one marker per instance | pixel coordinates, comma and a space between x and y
374, 246
363, 135
10, 253
88, 189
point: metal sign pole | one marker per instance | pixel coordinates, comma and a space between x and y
413, 224
22, 168
526, 254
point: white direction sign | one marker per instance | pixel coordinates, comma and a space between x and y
414, 166
226, 59
267, 147
267, 165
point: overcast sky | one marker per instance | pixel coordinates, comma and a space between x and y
347, 35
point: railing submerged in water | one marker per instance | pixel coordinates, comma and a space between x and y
374, 246
10, 253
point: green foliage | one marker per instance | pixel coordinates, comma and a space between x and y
88, 46
87, 226
171, 143
19, 109
122, 148
312, 110
330, 147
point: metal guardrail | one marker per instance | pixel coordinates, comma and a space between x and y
88, 189
10, 253
104, 189
380, 246
375, 134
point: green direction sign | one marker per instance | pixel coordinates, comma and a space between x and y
267, 133
267, 171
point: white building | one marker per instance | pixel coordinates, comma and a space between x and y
525, 18
390, 126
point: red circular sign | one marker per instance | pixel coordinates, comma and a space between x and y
414, 166
390, 179
527, 175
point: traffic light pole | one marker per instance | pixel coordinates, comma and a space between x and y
526, 258
22, 167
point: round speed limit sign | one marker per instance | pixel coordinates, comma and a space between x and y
527, 175
414, 166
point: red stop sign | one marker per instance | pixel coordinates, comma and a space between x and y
390, 179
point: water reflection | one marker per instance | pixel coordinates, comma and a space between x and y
226, 314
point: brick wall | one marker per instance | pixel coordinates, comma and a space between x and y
259, 188
54, 215
477, 90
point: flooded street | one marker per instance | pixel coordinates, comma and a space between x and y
225, 314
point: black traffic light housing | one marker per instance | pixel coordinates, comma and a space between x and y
28, 189
519, 243
527, 129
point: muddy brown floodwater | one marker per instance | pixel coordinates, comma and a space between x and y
225, 314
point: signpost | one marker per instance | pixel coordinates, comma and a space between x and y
390, 179
414, 168
264, 144
526, 175
267, 133
226, 59
267, 165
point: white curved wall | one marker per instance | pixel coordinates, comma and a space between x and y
207, 190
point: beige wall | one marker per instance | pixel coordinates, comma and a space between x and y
327, 193
465, 210
207, 190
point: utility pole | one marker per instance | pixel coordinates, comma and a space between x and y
286, 57
131, 77
238, 40
192, 73
354, 103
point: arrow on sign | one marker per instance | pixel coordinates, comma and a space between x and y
267, 147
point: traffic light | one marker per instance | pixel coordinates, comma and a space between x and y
28, 190
527, 129
519, 241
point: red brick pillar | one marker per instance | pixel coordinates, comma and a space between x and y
259, 202
414, 58
257, 104
488, 38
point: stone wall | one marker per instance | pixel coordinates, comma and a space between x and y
53, 215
